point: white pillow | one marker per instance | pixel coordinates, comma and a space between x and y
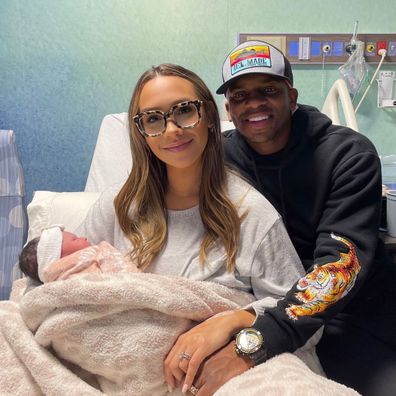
49, 207
112, 158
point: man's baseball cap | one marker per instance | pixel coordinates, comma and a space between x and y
254, 57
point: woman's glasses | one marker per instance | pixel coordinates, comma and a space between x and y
153, 122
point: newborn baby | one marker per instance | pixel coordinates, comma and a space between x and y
58, 254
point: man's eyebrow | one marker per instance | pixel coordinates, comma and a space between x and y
234, 86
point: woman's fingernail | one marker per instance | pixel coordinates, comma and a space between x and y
185, 388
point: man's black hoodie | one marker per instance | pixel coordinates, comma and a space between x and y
326, 181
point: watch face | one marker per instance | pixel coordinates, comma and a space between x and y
249, 340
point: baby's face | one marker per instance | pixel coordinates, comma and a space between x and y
71, 243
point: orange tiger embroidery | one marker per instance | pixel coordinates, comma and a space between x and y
326, 284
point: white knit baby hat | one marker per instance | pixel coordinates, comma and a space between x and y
49, 247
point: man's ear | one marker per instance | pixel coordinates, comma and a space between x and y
293, 96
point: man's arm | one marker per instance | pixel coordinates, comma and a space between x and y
347, 236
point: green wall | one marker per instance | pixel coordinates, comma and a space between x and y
67, 63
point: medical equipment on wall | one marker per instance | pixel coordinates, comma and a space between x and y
309, 48
355, 70
385, 89
352, 45
381, 52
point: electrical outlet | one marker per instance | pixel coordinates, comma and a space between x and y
381, 45
392, 48
349, 48
370, 49
326, 48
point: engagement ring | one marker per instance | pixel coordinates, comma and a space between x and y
184, 355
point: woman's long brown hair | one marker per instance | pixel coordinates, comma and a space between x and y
140, 204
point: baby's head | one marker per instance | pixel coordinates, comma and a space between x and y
52, 244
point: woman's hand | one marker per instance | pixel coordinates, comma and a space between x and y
192, 347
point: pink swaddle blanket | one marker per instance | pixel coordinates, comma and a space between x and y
97, 258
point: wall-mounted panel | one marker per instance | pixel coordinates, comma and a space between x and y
307, 48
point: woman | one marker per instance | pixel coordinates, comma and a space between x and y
181, 213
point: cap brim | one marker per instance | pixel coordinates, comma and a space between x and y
223, 88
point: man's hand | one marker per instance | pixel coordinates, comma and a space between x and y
220, 368
192, 347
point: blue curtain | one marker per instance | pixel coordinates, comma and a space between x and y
13, 222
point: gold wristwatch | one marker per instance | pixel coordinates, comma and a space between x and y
250, 342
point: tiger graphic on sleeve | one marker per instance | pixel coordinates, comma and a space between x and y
326, 284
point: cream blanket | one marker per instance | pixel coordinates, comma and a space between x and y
112, 332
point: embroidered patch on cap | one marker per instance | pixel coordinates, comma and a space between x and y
256, 55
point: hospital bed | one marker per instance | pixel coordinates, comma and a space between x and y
339, 95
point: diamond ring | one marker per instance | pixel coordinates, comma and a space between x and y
184, 355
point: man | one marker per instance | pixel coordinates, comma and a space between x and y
325, 181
